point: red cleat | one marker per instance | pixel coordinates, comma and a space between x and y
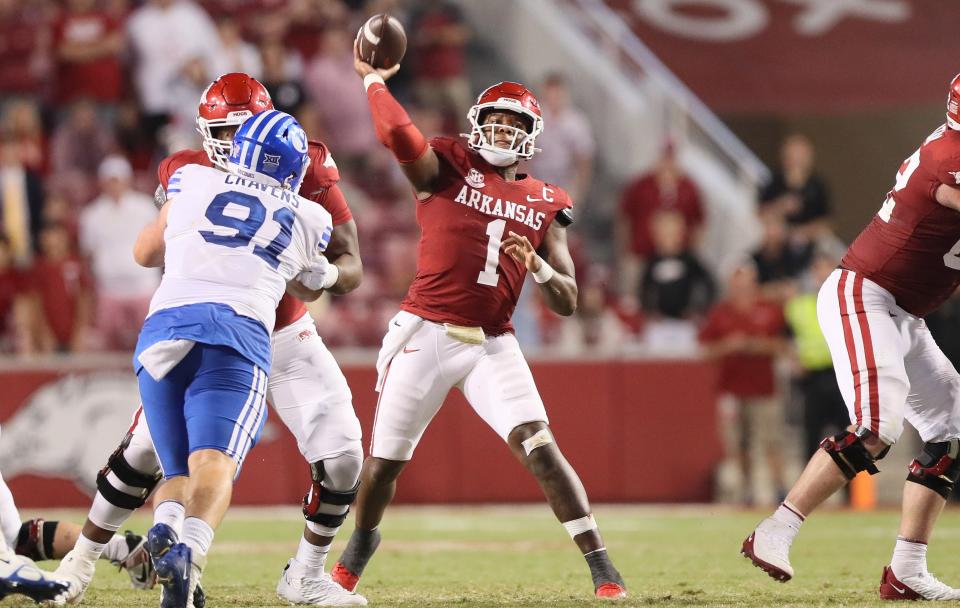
611, 591
343, 577
892, 589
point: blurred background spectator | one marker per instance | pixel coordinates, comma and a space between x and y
61, 284
21, 202
797, 192
109, 226
567, 144
88, 41
664, 188
439, 60
745, 333
824, 411
675, 290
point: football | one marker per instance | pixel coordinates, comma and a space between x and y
382, 41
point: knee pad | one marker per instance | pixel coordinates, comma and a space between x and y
849, 453
35, 539
937, 466
328, 507
135, 486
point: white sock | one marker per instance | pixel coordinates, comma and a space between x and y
116, 550
170, 512
198, 536
88, 550
789, 516
909, 558
312, 557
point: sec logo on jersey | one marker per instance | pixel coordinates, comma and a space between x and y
475, 179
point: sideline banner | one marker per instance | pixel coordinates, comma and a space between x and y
618, 422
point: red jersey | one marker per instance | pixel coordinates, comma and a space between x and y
911, 248
745, 374
100, 78
463, 275
319, 185
60, 284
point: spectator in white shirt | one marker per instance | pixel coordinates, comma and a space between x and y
567, 144
108, 228
175, 44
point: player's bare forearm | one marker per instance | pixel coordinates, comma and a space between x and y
344, 252
948, 196
551, 266
150, 247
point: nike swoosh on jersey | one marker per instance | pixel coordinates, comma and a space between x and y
410, 350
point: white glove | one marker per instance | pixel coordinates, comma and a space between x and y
320, 275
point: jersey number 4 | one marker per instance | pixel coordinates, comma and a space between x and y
247, 228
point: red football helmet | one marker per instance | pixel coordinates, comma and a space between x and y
227, 102
953, 104
505, 97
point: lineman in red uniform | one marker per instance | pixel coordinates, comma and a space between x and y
306, 387
484, 227
903, 265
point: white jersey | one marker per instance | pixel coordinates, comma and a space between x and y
230, 240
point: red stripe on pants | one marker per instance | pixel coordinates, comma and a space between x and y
851, 347
868, 355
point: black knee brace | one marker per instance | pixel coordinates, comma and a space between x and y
318, 495
937, 466
851, 456
118, 465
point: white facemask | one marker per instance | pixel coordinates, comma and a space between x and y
498, 158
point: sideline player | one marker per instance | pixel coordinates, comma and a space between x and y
229, 244
904, 264
306, 386
454, 327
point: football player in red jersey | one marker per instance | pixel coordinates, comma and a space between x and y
904, 264
306, 387
483, 227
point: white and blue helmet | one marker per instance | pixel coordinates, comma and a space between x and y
271, 148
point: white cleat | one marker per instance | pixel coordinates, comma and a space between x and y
768, 547
78, 574
923, 586
297, 587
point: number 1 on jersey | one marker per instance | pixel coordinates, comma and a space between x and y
488, 276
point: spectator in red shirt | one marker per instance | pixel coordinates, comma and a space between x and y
745, 333
439, 53
87, 45
14, 304
63, 285
666, 188
23, 46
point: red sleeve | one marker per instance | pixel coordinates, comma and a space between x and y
336, 205
167, 168
394, 128
324, 172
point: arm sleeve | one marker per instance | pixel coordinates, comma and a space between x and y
394, 128
335, 203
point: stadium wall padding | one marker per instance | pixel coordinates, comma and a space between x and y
636, 431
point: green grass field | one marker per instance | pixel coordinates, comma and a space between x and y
519, 556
